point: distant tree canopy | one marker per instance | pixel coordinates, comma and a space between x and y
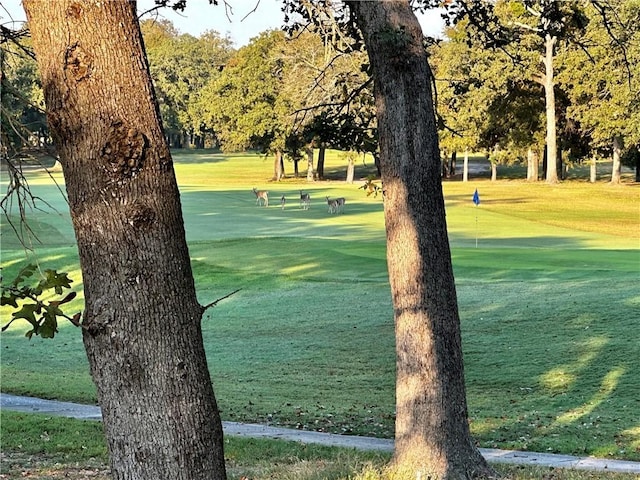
290, 91
23, 118
504, 66
181, 66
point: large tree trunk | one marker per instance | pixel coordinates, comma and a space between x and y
141, 325
550, 101
432, 433
616, 168
310, 172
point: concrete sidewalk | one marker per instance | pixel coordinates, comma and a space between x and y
89, 412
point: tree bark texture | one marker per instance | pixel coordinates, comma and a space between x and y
432, 438
141, 325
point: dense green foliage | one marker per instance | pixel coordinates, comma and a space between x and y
22, 114
181, 66
493, 99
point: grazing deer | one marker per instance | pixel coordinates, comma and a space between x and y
340, 204
283, 200
305, 200
262, 197
333, 205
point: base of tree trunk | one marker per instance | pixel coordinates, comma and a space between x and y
439, 469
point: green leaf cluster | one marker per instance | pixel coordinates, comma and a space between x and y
29, 302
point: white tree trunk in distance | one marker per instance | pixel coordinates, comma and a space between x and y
465, 167
532, 165
351, 170
550, 101
616, 168
310, 172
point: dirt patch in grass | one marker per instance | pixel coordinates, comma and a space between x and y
18, 465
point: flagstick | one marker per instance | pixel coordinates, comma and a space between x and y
476, 228
476, 201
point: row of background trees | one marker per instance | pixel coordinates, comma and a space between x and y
578, 86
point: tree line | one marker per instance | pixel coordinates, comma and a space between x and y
547, 99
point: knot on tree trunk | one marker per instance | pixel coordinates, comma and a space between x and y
140, 217
78, 62
123, 152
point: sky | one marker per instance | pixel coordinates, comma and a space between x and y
247, 20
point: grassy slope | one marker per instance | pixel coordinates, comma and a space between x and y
548, 302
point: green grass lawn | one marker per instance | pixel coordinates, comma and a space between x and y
38, 446
548, 300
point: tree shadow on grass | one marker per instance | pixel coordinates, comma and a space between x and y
195, 157
550, 364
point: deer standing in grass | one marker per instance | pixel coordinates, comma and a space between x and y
333, 205
262, 197
340, 204
305, 200
283, 201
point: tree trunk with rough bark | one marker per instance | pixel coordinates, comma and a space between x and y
432, 433
141, 325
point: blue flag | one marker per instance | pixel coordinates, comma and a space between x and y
476, 198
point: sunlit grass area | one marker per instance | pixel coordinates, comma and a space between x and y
547, 285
